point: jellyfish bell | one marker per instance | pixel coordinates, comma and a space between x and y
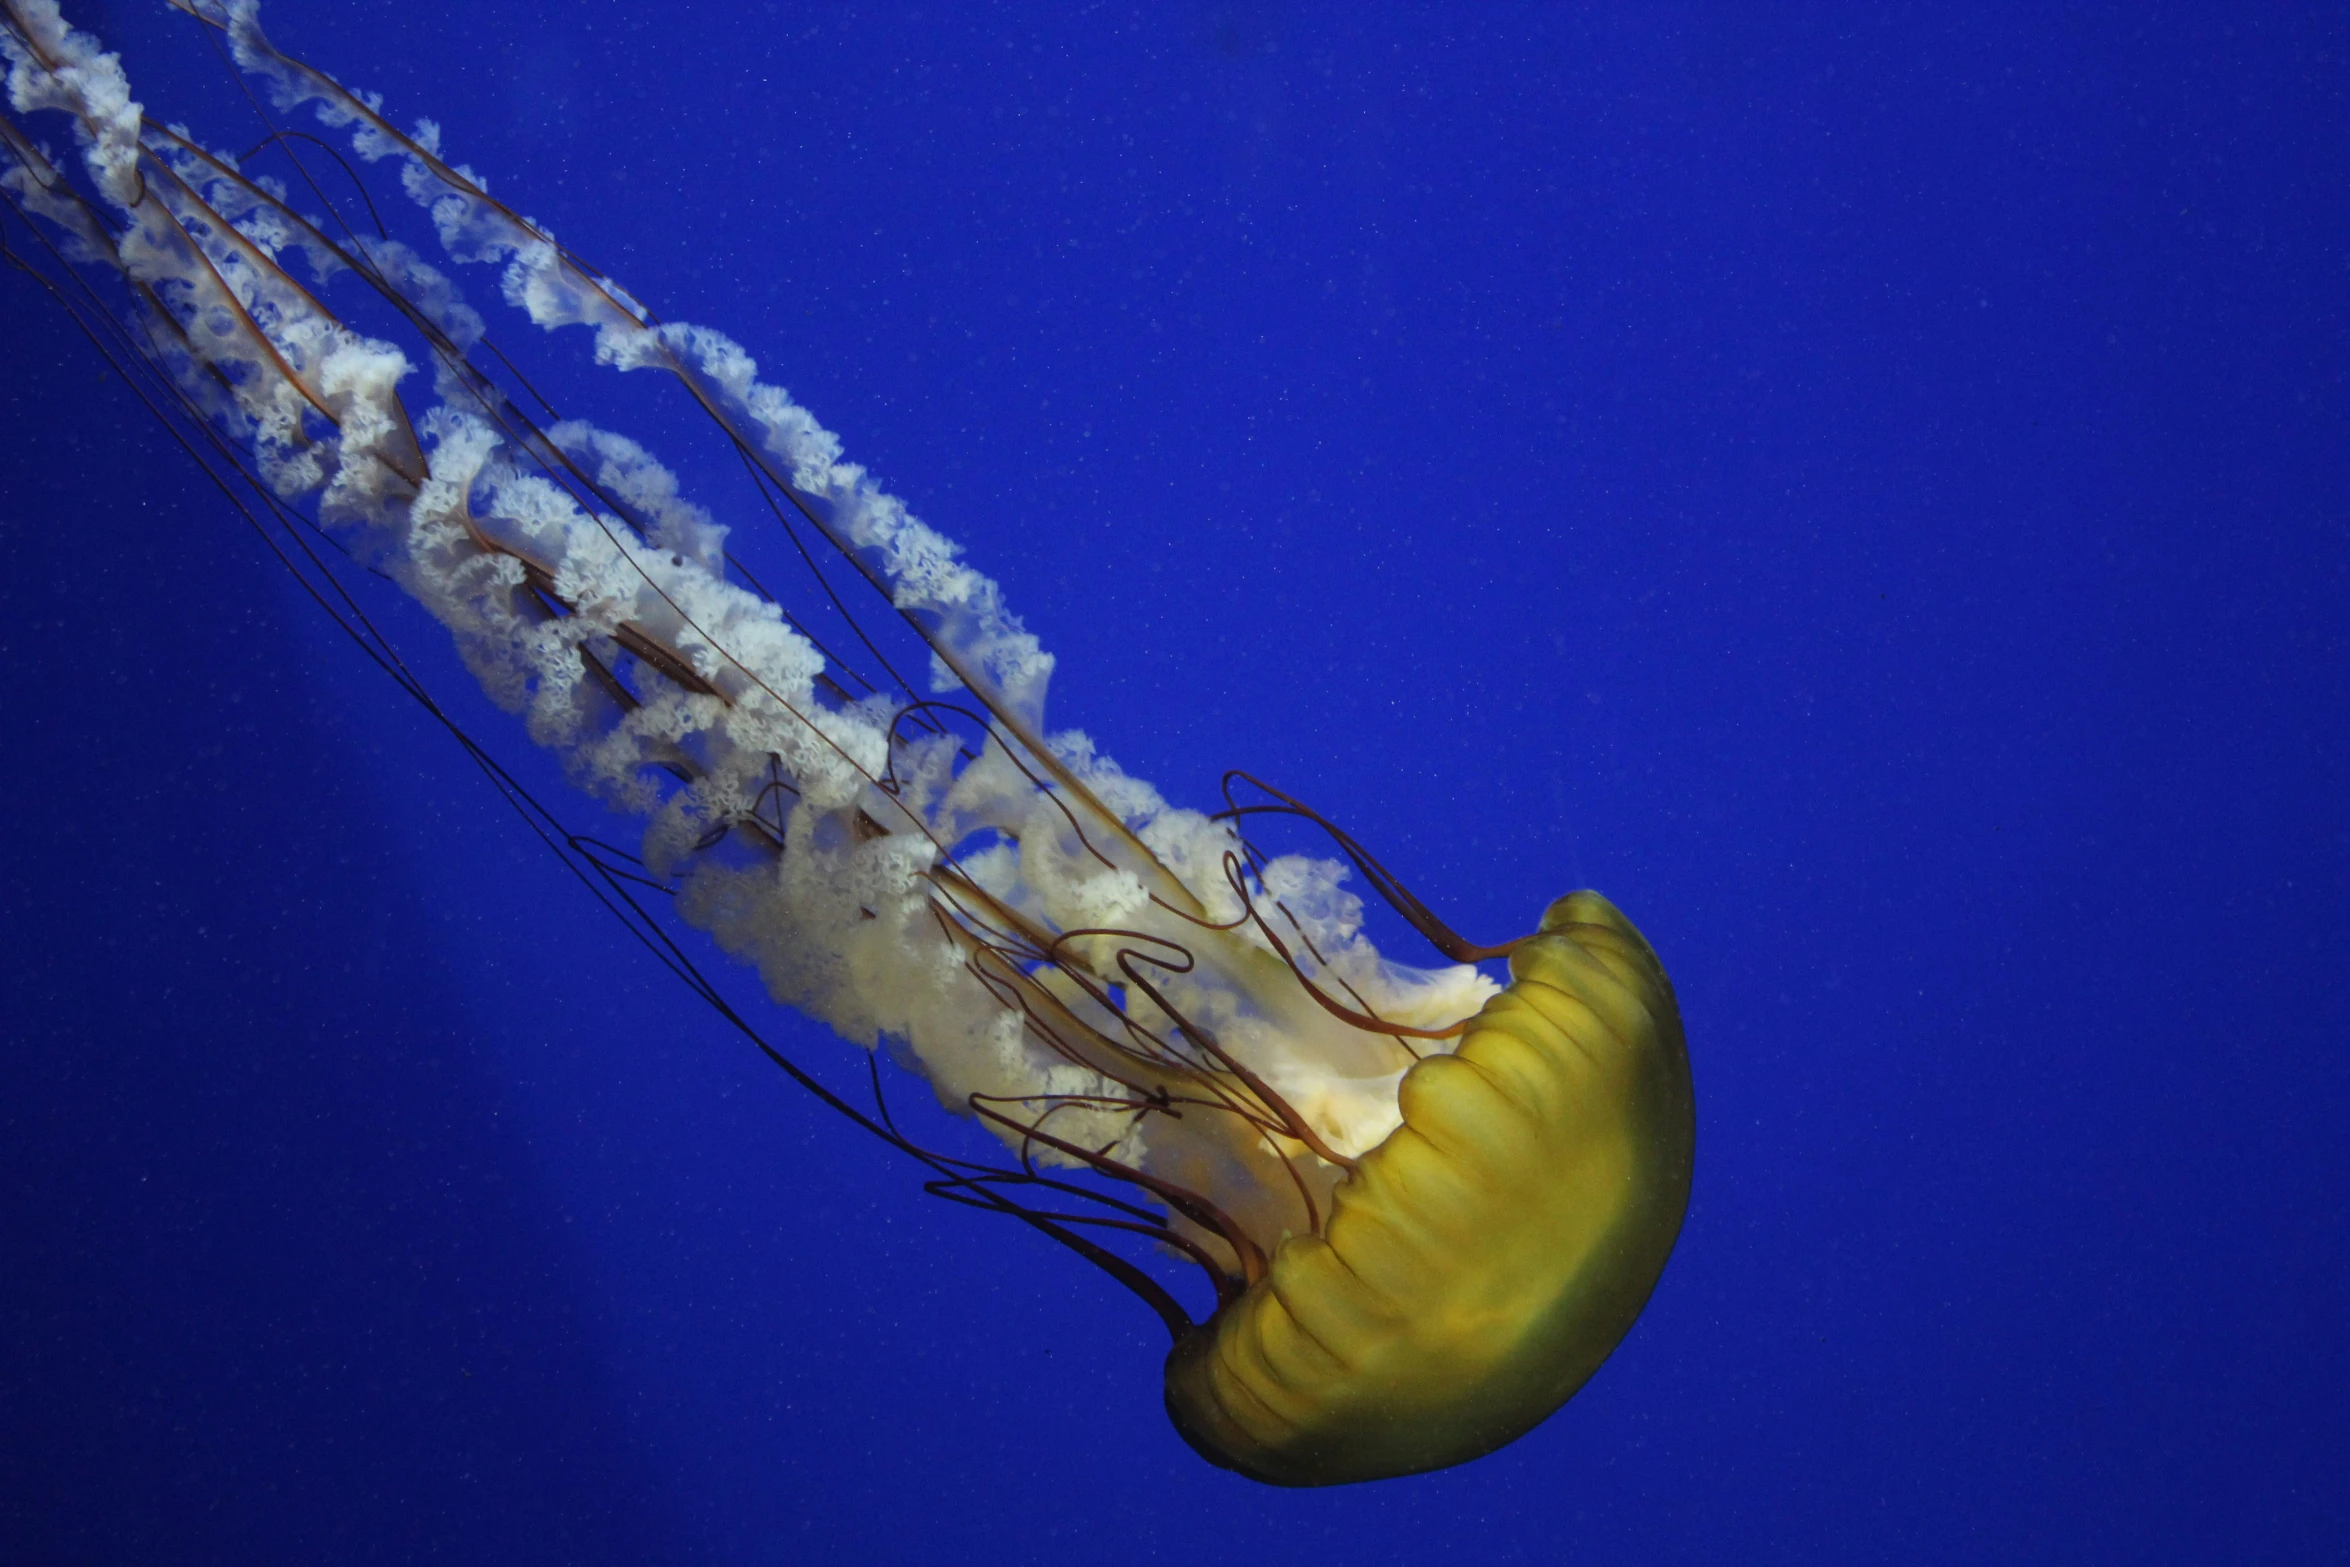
1425, 1205
1489, 1253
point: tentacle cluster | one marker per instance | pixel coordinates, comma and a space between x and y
1122, 990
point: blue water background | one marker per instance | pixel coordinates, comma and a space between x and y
1866, 487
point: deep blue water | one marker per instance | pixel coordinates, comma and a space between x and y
1866, 487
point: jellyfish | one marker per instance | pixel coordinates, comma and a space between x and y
1424, 1204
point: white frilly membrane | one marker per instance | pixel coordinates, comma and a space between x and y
1107, 980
